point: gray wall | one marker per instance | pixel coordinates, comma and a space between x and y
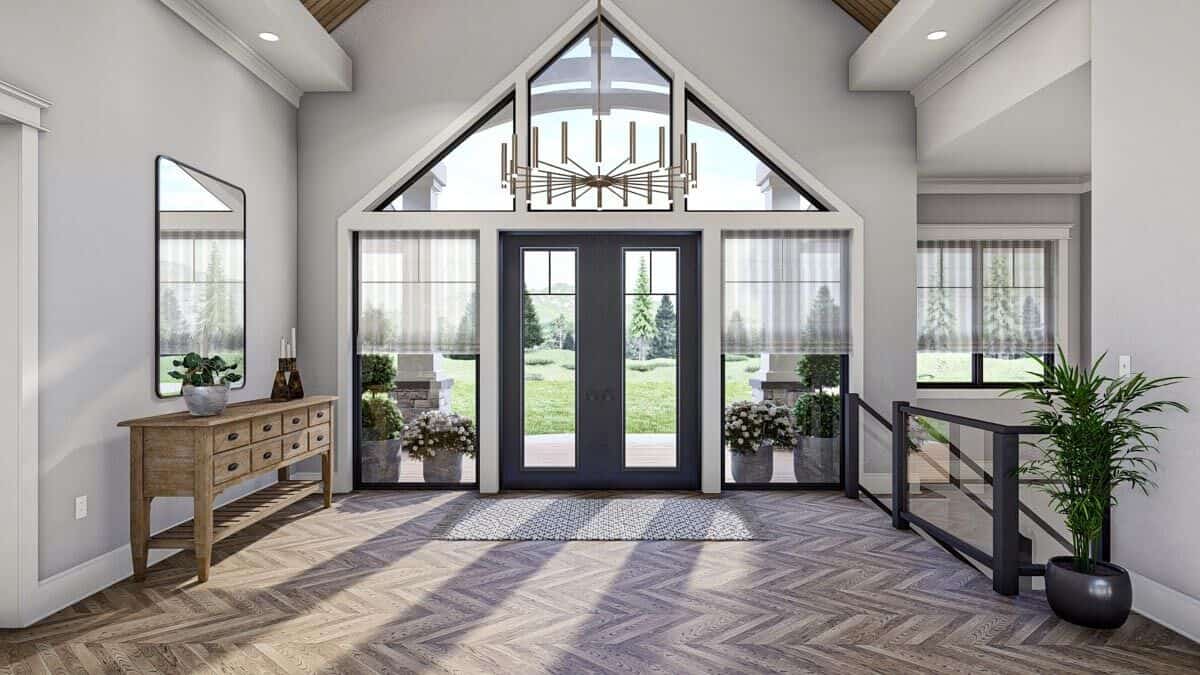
984, 209
130, 80
1145, 254
781, 63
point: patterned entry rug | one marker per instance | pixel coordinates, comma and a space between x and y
580, 518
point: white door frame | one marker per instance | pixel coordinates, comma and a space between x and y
489, 225
21, 596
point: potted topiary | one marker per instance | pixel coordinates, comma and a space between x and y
1095, 440
206, 383
440, 440
377, 372
818, 423
752, 431
380, 427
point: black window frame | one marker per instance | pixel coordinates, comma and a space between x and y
977, 380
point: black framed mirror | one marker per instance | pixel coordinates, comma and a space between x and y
200, 270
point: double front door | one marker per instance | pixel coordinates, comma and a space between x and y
599, 339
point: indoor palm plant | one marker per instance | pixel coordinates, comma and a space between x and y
752, 431
440, 440
380, 428
206, 382
1096, 439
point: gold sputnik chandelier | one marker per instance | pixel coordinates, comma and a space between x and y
545, 177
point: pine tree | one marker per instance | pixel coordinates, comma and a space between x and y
1000, 314
665, 328
173, 330
558, 331
216, 314
641, 319
735, 330
468, 326
569, 342
939, 323
1031, 324
821, 370
375, 330
531, 333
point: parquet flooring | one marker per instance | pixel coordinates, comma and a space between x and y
361, 588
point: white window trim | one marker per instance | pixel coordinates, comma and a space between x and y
1060, 233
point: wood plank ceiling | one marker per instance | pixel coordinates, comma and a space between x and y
331, 13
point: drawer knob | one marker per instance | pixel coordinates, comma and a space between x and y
320, 415
295, 446
267, 455
295, 420
232, 437
320, 438
266, 427
232, 466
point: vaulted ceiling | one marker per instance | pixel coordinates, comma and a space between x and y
331, 13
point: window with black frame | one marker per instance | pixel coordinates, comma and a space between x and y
785, 344
984, 308
417, 337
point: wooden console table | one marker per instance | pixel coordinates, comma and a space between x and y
178, 455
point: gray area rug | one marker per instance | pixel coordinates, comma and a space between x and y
576, 518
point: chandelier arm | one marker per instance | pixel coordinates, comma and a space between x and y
560, 171
611, 173
587, 173
631, 171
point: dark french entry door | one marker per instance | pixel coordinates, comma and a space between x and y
599, 354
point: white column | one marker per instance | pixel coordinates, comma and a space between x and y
710, 355
489, 361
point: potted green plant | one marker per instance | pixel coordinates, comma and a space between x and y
752, 431
818, 423
440, 440
377, 372
1095, 440
380, 428
206, 382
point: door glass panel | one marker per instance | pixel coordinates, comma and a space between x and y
548, 344
651, 350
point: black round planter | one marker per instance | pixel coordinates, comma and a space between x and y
1098, 600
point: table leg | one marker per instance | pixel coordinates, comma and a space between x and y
202, 518
139, 507
327, 475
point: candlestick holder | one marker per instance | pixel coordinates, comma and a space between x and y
295, 386
280, 391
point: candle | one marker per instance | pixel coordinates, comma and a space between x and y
293, 342
282, 349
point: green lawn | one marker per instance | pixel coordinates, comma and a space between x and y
957, 368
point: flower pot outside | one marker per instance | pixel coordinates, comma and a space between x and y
1098, 600
444, 467
815, 460
380, 461
206, 401
757, 467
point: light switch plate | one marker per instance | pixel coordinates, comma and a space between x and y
1124, 367
81, 507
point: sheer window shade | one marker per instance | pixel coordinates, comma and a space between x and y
786, 292
418, 292
992, 297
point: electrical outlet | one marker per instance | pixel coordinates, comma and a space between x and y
1123, 365
81, 507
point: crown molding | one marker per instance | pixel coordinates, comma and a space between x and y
211, 27
22, 106
1003, 28
989, 231
1034, 185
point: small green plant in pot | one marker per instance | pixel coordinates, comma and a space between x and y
819, 423
752, 431
377, 372
379, 436
440, 440
1096, 439
205, 382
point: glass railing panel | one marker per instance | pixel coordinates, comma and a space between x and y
946, 487
1038, 521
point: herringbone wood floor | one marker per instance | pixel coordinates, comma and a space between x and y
360, 588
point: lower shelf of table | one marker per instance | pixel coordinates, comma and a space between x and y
240, 513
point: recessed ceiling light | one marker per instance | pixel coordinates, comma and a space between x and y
936, 35
271, 37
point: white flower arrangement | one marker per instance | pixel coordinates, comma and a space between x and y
435, 431
749, 425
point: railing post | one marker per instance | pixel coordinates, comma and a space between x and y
1006, 534
850, 467
899, 465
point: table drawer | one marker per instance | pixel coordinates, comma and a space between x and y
295, 444
294, 420
267, 426
231, 435
230, 465
318, 436
265, 454
318, 414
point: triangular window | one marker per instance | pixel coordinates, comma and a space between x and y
465, 176
629, 89
732, 175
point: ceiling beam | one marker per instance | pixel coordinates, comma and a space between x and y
331, 13
869, 13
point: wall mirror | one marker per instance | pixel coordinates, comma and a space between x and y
201, 270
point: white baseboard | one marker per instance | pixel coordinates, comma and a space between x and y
1165, 605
